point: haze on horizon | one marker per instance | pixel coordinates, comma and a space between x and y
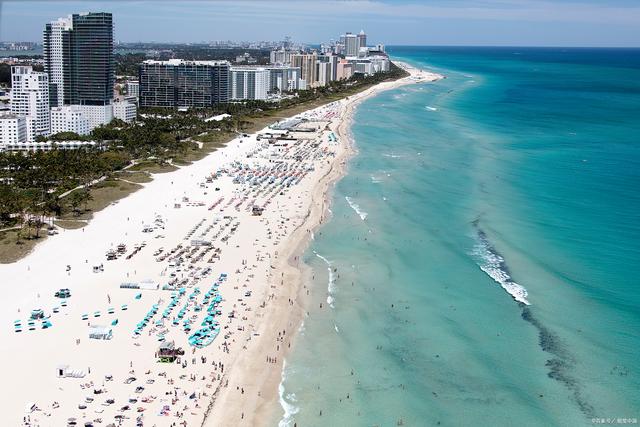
394, 22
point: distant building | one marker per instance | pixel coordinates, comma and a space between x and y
332, 60
344, 70
246, 58
283, 78
379, 63
125, 111
280, 56
178, 83
78, 57
324, 73
48, 145
249, 83
13, 129
30, 99
307, 65
362, 66
69, 118
362, 39
351, 44
133, 88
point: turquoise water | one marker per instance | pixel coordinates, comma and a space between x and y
518, 175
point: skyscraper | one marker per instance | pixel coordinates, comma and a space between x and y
78, 55
351, 46
362, 39
308, 67
30, 99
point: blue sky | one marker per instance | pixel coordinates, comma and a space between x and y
410, 22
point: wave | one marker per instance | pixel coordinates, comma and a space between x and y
363, 215
492, 263
285, 401
332, 280
430, 108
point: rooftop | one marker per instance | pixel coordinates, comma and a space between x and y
176, 62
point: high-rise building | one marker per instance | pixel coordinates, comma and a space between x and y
30, 99
351, 44
180, 83
362, 39
78, 56
280, 56
249, 83
307, 64
324, 73
57, 59
332, 60
283, 78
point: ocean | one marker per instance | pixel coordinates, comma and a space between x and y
481, 264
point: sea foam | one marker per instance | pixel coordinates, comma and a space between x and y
492, 263
285, 401
363, 215
332, 280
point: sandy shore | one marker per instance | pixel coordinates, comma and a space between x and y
228, 273
259, 404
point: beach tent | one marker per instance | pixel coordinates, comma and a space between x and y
100, 332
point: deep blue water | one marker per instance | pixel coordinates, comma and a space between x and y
520, 172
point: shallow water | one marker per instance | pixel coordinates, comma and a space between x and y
515, 179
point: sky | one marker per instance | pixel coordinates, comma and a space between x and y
393, 22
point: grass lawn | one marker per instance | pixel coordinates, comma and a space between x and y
12, 248
103, 194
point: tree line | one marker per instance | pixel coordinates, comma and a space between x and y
31, 182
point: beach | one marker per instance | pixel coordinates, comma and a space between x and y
192, 287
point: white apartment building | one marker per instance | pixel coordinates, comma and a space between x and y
57, 66
125, 111
97, 115
362, 66
30, 98
283, 78
13, 130
351, 44
69, 118
379, 63
324, 73
280, 56
133, 88
249, 83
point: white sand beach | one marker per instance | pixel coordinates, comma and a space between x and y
209, 261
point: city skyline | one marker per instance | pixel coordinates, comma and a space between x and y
461, 22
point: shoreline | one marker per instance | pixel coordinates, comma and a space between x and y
229, 382
260, 410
